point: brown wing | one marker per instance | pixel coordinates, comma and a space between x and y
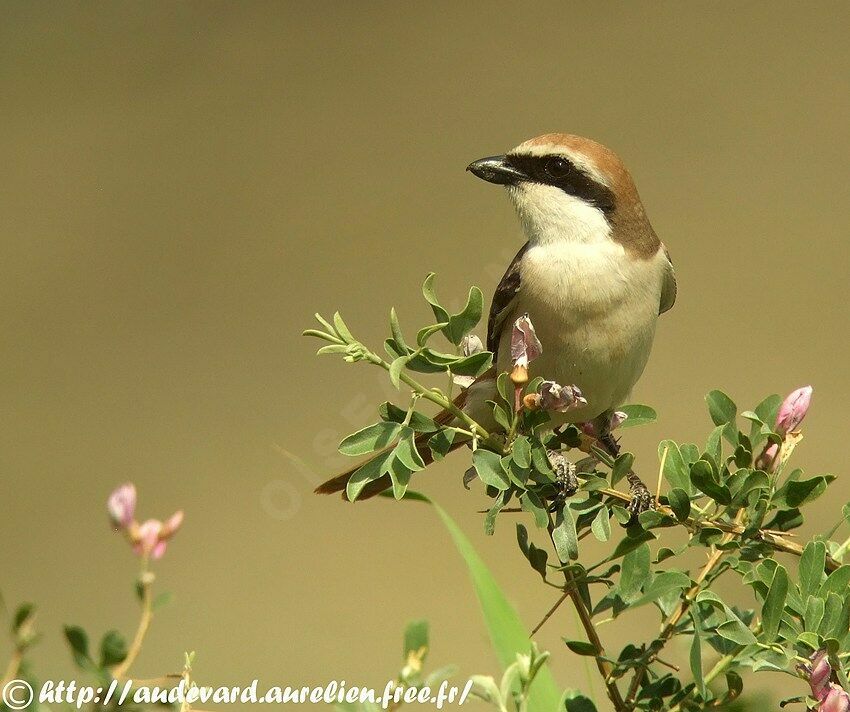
668, 289
503, 298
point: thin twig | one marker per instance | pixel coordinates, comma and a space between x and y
660, 477
13, 667
549, 613
687, 600
146, 581
605, 668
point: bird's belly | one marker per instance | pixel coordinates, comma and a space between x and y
596, 326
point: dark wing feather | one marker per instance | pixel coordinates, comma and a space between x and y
503, 297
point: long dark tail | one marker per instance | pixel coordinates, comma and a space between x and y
338, 483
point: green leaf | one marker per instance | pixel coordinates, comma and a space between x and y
702, 475
721, 407
441, 443
465, 321
488, 465
831, 615
813, 614
420, 422
113, 649
415, 638
736, 631
837, 582
774, 604
581, 647
811, 568
430, 296
473, 365
342, 329
635, 536
398, 336
161, 600
635, 573
521, 452
396, 368
507, 632
531, 503
427, 332
664, 583
536, 556
406, 451
369, 439
680, 503
370, 471
695, 657
637, 414
399, 476
714, 446
79, 642
621, 514
23, 612
564, 535
799, 492
601, 525
574, 701
675, 469
622, 467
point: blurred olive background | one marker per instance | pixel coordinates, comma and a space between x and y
186, 183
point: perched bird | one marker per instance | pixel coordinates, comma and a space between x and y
593, 278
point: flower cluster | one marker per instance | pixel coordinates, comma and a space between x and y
150, 538
788, 420
525, 347
832, 697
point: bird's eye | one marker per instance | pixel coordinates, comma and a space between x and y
557, 167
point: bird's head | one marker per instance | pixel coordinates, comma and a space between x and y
566, 187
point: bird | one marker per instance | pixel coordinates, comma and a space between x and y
592, 276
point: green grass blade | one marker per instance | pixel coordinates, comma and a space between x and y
507, 632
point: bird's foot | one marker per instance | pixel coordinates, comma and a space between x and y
566, 482
642, 499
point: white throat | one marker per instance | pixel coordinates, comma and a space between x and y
549, 215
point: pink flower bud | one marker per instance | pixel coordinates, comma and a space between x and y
172, 524
819, 674
767, 460
793, 410
554, 396
121, 505
525, 346
836, 700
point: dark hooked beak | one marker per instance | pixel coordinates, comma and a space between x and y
495, 169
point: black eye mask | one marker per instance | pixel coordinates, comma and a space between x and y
562, 173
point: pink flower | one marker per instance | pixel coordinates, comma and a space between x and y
836, 700
554, 396
525, 346
121, 505
819, 673
148, 538
766, 461
152, 536
793, 410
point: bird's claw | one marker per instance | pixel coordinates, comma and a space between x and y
566, 482
642, 499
